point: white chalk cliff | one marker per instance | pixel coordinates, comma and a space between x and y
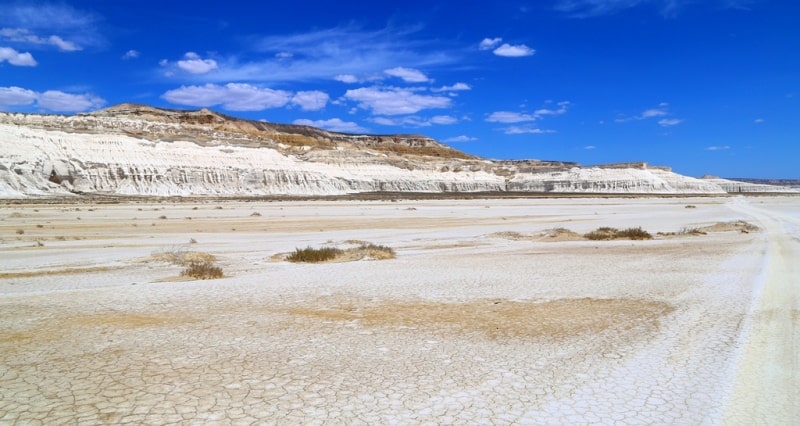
139, 150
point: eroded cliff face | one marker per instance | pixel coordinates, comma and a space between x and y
139, 150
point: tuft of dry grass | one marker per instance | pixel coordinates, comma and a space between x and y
182, 257
606, 233
364, 250
202, 271
314, 255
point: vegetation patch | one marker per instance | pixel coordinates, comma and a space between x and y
202, 271
182, 257
606, 233
364, 250
314, 255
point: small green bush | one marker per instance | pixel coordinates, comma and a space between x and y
314, 255
202, 271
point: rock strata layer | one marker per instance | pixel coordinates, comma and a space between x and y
139, 150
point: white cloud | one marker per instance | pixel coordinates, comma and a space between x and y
394, 101
346, 78
409, 75
232, 96
509, 117
461, 138
661, 112
669, 122
415, 121
489, 43
521, 130
519, 117
443, 119
718, 148
56, 100
667, 8
758, 120
22, 35
163, 62
333, 124
454, 88
194, 64
131, 54
589, 147
514, 51
16, 58
53, 100
324, 54
16, 96
650, 113
312, 100
284, 55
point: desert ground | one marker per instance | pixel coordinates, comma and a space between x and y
493, 311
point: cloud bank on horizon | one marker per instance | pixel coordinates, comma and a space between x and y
657, 80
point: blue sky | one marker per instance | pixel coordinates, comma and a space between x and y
703, 86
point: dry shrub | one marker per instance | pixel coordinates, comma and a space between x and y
634, 234
364, 250
314, 255
20, 231
606, 233
182, 257
601, 234
374, 251
202, 271
692, 231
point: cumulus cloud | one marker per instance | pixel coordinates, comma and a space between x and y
56, 100
131, 54
193, 63
53, 100
489, 43
394, 101
22, 35
16, 58
346, 78
461, 138
409, 75
514, 51
454, 88
333, 124
16, 96
232, 96
312, 100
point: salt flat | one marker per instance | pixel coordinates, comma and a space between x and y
483, 317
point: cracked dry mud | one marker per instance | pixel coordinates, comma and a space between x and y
459, 328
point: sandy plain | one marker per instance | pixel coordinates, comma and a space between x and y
484, 317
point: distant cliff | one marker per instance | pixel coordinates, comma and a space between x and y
140, 150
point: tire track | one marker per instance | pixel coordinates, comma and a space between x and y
766, 388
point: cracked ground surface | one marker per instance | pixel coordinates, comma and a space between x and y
462, 327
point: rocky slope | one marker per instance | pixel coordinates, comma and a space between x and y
140, 150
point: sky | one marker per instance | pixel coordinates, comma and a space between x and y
702, 86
